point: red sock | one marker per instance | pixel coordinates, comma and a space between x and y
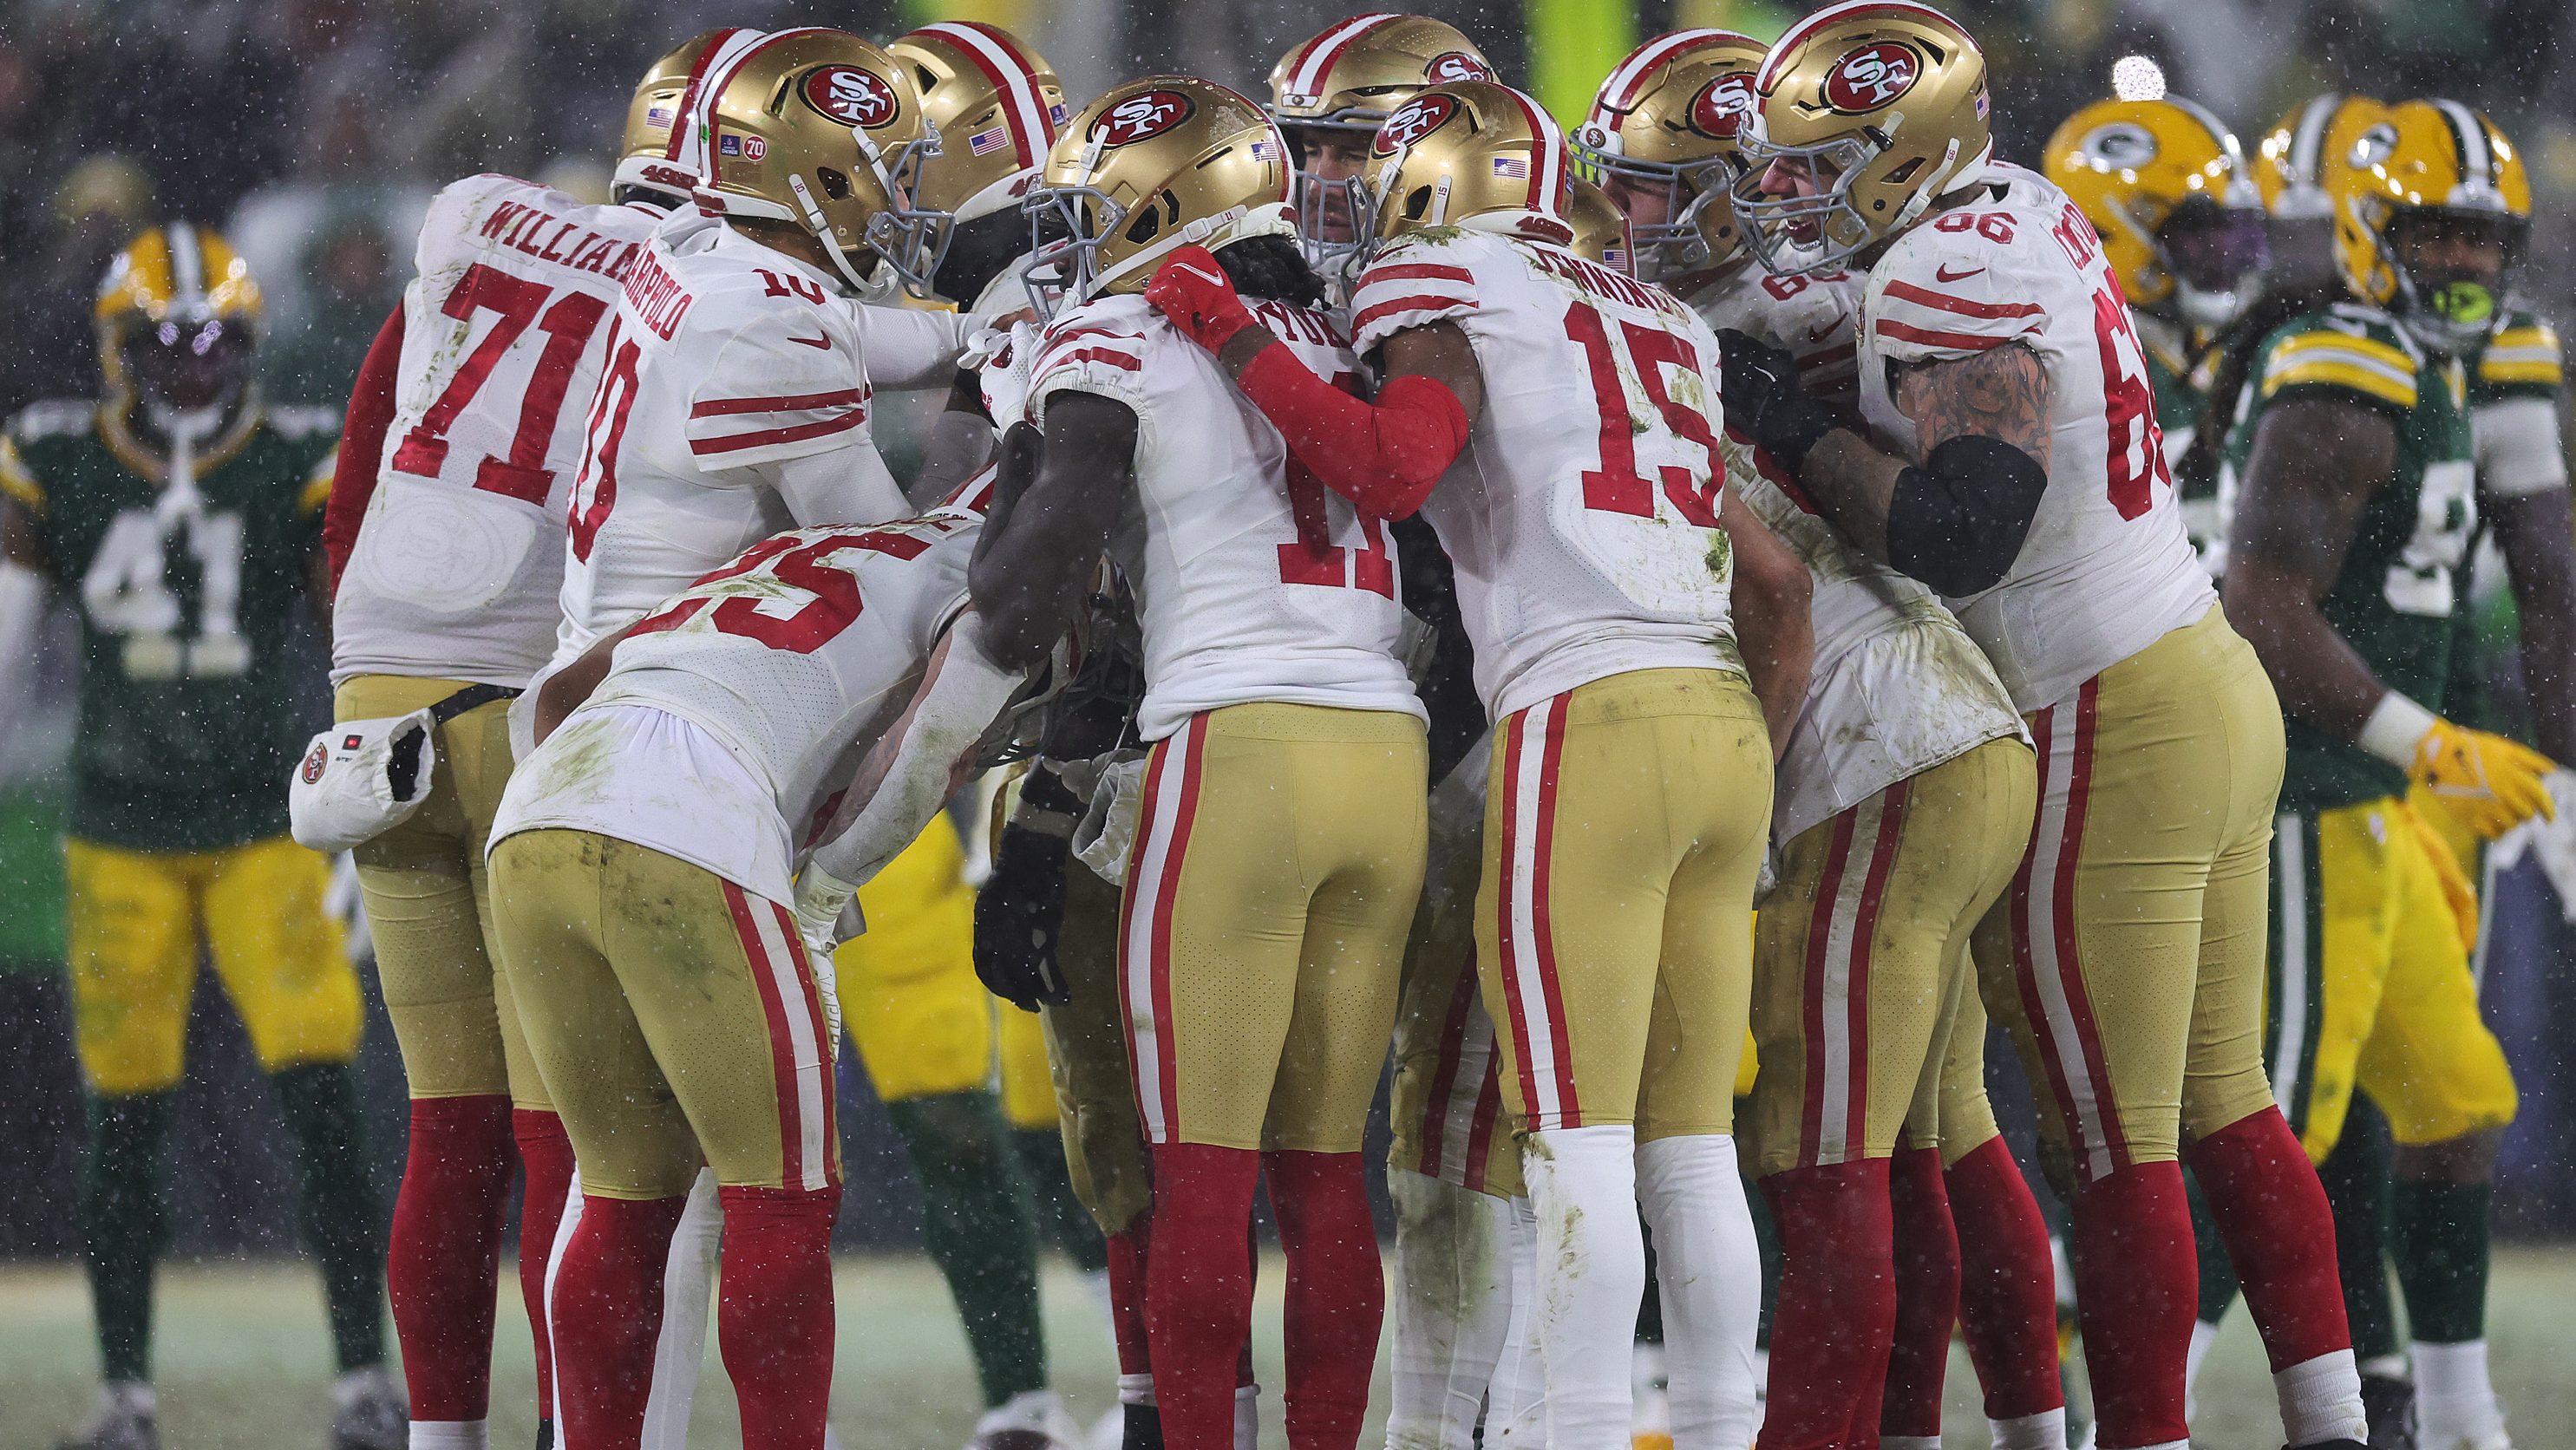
2007, 1284
608, 1313
1198, 1301
1127, 1254
774, 1311
2137, 1287
1927, 1294
444, 1254
545, 1159
1837, 1303
2272, 1212
1336, 1295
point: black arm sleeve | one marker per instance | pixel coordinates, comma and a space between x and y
1957, 522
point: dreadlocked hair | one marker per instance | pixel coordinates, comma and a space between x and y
1273, 268
2238, 347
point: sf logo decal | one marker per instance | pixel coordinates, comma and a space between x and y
1418, 118
1142, 117
852, 96
1872, 76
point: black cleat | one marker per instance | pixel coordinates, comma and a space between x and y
2389, 1402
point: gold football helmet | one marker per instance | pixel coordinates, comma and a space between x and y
1337, 87
1600, 228
1151, 166
2166, 185
177, 314
648, 160
822, 129
996, 105
1669, 117
2431, 215
1866, 112
1470, 154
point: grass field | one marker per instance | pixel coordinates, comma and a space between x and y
244, 1364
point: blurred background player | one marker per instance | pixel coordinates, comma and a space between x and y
184, 514
445, 525
2360, 469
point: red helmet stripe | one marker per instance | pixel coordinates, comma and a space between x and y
707, 58
990, 47
1619, 93
1547, 154
1326, 48
1782, 49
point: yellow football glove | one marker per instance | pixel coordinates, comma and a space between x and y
2493, 783
2446, 870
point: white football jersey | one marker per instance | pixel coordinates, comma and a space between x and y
2107, 568
1254, 582
1897, 686
789, 657
459, 561
733, 403
1815, 319
1582, 516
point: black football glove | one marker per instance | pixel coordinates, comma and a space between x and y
1758, 386
1018, 914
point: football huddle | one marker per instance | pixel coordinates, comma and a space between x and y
1657, 632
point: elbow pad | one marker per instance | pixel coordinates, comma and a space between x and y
1957, 523
1382, 456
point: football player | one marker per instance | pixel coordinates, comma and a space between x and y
1906, 792
1279, 844
1631, 768
469, 411
2011, 460
2360, 428
677, 988
184, 514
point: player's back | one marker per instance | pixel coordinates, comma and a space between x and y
727, 363
459, 562
2107, 568
1254, 583
1583, 516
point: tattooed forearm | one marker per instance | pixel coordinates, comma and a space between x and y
2001, 393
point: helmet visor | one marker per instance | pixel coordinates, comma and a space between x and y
2217, 257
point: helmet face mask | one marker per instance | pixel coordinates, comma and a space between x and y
1796, 204
2452, 269
1330, 209
2432, 210
1331, 92
1663, 139
189, 364
995, 106
2217, 257
912, 240
178, 321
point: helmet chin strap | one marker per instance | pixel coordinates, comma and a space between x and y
816, 223
1198, 231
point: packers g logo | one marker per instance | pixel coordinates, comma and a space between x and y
852, 96
1456, 65
1142, 117
1416, 119
1872, 77
314, 760
1723, 105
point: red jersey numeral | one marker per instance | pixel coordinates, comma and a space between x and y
1616, 486
2135, 452
594, 488
1314, 558
830, 592
567, 325
1994, 226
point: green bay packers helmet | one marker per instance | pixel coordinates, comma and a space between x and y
1600, 228
2292, 162
178, 316
2426, 171
1670, 116
1873, 108
1151, 166
2167, 186
1472, 154
648, 160
823, 130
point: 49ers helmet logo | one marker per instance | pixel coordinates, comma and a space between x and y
1872, 77
1456, 65
1416, 119
1141, 117
1721, 107
852, 96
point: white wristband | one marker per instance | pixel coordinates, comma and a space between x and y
2395, 727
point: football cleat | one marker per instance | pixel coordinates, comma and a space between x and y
127, 1418
1029, 1420
2388, 1402
370, 1413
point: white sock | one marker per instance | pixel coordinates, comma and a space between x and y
688, 1282
1591, 1275
552, 1413
2043, 1431
1518, 1412
1909, 1442
2455, 1402
451, 1435
1710, 1270
2203, 1335
2386, 1367
1136, 1389
2321, 1400
1247, 1417
1451, 1306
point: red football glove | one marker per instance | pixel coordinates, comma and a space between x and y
1194, 292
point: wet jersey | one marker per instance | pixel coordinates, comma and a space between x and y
1815, 319
188, 722
2403, 576
1253, 581
784, 658
458, 567
1897, 686
2106, 568
1582, 515
733, 403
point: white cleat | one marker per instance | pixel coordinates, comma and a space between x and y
1029, 1420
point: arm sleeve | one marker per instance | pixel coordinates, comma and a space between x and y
845, 486
782, 384
910, 348
362, 443
2518, 446
1383, 456
957, 701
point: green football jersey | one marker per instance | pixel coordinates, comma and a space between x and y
186, 725
2404, 576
